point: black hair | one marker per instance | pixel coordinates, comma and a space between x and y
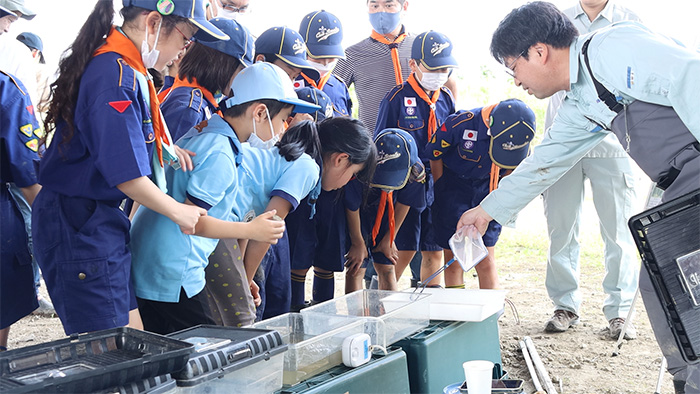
529, 24
197, 63
157, 78
64, 90
301, 138
347, 135
274, 107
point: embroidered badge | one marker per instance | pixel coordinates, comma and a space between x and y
469, 135
299, 47
443, 127
383, 157
511, 146
410, 111
27, 129
298, 84
409, 101
329, 111
444, 144
468, 145
165, 7
437, 153
120, 106
33, 144
438, 48
30, 109
323, 33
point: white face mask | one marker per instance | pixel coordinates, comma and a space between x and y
256, 142
226, 14
323, 69
150, 57
433, 81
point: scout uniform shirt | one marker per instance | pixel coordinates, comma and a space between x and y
185, 106
335, 88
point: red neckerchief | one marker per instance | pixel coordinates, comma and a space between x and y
193, 84
118, 43
432, 120
394, 46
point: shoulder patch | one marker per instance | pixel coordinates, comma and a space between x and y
444, 144
437, 153
32, 144
196, 99
120, 106
27, 129
30, 109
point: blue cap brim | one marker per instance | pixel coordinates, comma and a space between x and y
300, 106
302, 63
325, 51
207, 31
390, 180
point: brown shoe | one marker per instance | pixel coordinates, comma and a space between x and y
615, 328
561, 321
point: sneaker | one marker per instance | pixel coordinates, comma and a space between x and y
615, 328
45, 308
561, 321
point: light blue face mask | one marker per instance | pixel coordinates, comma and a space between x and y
385, 22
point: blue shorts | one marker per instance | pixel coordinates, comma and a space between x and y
322, 241
17, 291
276, 282
81, 247
453, 196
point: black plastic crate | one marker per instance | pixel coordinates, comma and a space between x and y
91, 362
222, 350
668, 239
156, 385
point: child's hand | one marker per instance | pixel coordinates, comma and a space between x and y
187, 217
184, 157
354, 258
267, 227
255, 292
388, 248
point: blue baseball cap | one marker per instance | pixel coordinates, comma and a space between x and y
288, 46
15, 6
318, 97
265, 81
512, 129
240, 44
433, 50
32, 41
396, 155
193, 10
323, 35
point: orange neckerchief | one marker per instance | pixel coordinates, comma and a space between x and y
387, 198
321, 82
495, 175
394, 45
118, 43
193, 84
163, 92
432, 120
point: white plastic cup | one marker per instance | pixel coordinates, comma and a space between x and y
478, 374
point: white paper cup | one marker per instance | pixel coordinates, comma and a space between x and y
478, 374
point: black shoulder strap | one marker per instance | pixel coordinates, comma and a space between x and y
603, 93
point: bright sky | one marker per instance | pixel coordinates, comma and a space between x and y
468, 23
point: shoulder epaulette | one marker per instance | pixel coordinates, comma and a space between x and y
196, 99
127, 75
15, 83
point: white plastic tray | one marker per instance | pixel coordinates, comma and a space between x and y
463, 304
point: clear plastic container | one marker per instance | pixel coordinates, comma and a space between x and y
314, 342
390, 315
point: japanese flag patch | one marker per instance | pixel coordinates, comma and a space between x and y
469, 135
409, 101
298, 84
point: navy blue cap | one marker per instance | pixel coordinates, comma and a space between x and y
240, 44
193, 10
512, 130
396, 155
32, 41
323, 35
288, 46
433, 50
318, 97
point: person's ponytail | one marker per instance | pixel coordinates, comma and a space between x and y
301, 138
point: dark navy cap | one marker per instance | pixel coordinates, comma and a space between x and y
434, 50
240, 44
288, 46
323, 35
33, 41
193, 10
512, 128
318, 97
396, 155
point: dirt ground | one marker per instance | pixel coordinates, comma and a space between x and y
581, 358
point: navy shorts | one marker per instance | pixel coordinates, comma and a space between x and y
17, 291
276, 281
453, 196
322, 241
81, 247
417, 232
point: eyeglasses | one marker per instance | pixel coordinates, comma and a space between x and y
510, 70
188, 41
232, 8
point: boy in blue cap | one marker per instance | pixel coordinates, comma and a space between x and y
323, 34
192, 96
317, 97
395, 188
419, 106
286, 49
470, 153
263, 99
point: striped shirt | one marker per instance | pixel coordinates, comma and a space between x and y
369, 67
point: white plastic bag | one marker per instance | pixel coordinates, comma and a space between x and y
468, 247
